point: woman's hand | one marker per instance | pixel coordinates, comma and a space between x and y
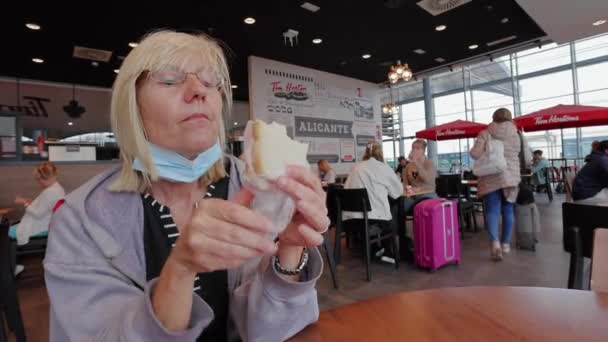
310, 220
223, 235
22, 201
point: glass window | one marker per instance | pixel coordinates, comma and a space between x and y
489, 71
487, 99
539, 59
413, 115
593, 86
452, 80
545, 91
591, 48
388, 150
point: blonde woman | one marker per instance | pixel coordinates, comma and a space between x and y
420, 173
35, 221
499, 191
379, 180
164, 248
326, 173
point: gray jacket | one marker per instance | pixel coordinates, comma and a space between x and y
95, 273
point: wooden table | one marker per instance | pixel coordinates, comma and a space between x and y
4, 211
468, 314
417, 193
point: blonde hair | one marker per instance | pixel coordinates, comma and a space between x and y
157, 51
502, 115
45, 171
420, 141
373, 149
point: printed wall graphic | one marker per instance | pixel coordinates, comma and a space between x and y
332, 113
347, 151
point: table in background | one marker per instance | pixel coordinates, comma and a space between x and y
5, 211
417, 193
468, 314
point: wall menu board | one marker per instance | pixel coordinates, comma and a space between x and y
337, 116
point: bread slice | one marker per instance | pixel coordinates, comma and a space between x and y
273, 150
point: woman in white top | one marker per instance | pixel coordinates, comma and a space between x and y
35, 221
326, 173
379, 180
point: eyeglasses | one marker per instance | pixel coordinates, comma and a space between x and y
208, 78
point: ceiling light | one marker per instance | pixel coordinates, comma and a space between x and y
504, 20
133, 44
473, 47
311, 7
236, 123
366, 56
32, 26
439, 59
420, 51
70, 123
234, 86
116, 71
399, 72
38, 60
599, 22
317, 41
440, 28
95, 64
249, 20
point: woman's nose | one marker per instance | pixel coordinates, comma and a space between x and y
194, 89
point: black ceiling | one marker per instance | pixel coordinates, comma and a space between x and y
349, 29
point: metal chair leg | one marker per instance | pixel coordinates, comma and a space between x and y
331, 262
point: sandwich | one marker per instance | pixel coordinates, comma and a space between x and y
271, 150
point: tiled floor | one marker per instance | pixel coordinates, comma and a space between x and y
547, 267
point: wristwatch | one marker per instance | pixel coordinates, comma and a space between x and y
295, 271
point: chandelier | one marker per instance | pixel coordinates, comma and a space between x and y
399, 72
390, 108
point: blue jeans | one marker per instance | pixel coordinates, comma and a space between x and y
493, 202
410, 202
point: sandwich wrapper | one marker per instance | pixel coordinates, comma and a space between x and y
269, 200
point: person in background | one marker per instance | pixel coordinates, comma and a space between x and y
539, 164
402, 164
594, 147
164, 247
499, 191
379, 180
419, 174
591, 182
35, 221
326, 173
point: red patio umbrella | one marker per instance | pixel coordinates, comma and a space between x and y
459, 129
563, 116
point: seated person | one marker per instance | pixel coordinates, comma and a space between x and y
594, 147
420, 174
591, 182
379, 180
326, 173
35, 221
402, 164
539, 164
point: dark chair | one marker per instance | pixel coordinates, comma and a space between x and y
547, 186
450, 187
9, 301
579, 222
357, 200
332, 213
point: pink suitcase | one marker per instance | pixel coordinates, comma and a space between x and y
436, 241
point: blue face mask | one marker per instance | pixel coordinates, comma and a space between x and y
174, 167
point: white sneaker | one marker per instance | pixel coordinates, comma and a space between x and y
506, 248
18, 270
